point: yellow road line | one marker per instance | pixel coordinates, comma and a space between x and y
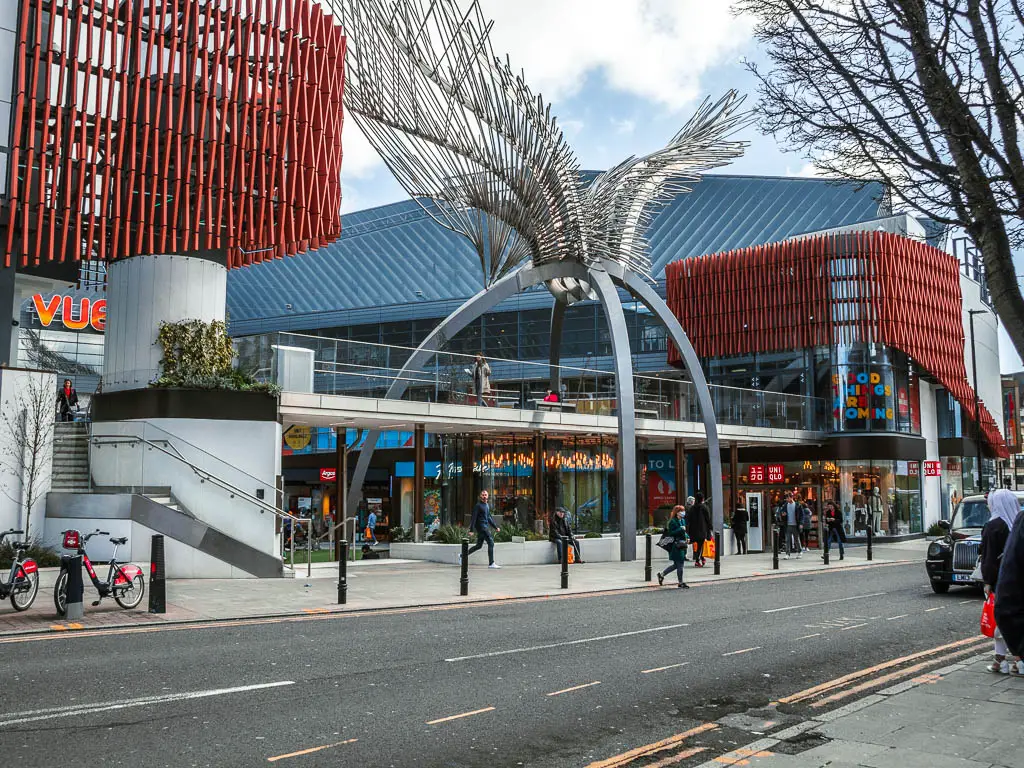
649, 749
310, 751
839, 681
892, 676
678, 757
459, 717
745, 650
575, 688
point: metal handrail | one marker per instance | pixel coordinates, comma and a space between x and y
206, 475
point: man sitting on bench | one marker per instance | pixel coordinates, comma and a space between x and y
558, 529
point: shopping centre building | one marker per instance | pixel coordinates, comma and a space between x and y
865, 343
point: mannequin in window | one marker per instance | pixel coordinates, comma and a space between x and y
875, 505
860, 509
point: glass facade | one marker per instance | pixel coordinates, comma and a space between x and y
874, 389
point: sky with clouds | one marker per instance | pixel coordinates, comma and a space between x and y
622, 76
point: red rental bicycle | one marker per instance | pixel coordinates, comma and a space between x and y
124, 582
22, 583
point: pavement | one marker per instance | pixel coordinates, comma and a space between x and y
853, 666
382, 584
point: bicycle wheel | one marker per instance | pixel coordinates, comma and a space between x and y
132, 596
22, 598
60, 593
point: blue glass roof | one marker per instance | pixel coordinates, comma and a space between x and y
397, 255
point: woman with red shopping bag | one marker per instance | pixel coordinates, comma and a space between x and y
1005, 509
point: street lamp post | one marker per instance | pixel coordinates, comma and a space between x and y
977, 400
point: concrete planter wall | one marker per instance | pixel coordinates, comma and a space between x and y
604, 550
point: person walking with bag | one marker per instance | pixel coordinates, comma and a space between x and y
371, 527
698, 526
833, 528
482, 523
676, 531
994, 538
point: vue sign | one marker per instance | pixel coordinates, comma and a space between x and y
73, 314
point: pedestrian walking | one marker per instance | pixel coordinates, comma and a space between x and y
698, 527
371, 527
560, 529
740, 519
67, 398
788, 519
481, 378
481, 524
805, 526
833, 528
995, 535
676, 528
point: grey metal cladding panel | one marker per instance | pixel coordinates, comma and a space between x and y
167, 521
231, 551
109, 506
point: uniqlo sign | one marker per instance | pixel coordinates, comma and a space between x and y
932, 468
776, 473
755, 474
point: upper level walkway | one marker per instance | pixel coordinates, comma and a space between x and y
331, 382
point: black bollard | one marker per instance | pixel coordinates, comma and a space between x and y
157, 575
647, 558
718, 553
464, 577
343, 574
825, 549
564, 550
76, 590
870, 540
775, 548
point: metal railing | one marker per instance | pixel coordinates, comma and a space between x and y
167, 444
365, 369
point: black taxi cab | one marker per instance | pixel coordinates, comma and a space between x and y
951, 559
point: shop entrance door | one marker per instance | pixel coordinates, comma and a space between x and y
758, 521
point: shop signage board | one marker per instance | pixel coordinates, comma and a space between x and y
755, 475
776, 473
932, 468
74, 313
328, 475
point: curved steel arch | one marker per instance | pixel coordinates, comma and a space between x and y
604, 280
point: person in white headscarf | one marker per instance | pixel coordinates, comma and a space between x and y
1005, 508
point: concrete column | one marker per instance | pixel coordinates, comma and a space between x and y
468, 499
680, 472
734, 471
540, 513
419, 462
142, 293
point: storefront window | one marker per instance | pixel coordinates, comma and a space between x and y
874, 389
882, 495
580, 476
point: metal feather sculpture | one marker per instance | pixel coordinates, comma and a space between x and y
484, 157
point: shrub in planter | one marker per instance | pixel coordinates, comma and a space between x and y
508, 531
450, 534
592, 535
936, 530
398, 534
45, 557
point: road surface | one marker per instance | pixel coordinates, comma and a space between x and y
585, 680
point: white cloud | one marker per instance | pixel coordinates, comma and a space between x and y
359, 159
808, 170
623, 127
655, 49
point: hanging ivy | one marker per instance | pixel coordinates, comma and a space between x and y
200, 355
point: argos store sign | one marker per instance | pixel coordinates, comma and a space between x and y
74, 313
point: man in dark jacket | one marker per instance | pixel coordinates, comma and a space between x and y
560, 529
740, 519
698, 526
481, 524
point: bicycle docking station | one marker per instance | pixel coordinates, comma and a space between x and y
157, 576
76, 589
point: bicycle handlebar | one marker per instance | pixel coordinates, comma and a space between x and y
97, 532
12, 532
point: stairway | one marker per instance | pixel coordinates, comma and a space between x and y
70, 457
